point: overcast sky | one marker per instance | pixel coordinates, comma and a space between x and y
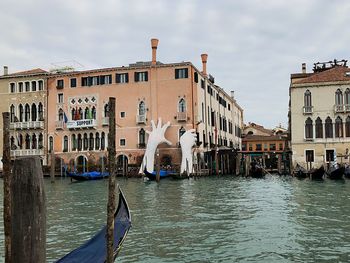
252, 45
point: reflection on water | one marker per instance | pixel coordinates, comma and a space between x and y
225, 219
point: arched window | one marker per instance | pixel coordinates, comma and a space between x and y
26, 113
97, 141
60, 115
65, 143
27, 141
181, 131
329, 128
74, 142
41, 85
106, 110
308, 128
142, 108
347, 98
338, 97
339, 127
87, 113
40, 142
12, 143
347, 126
50, 144
80, 142
73, 113
91, 141
34, 112
34, 142
319, 128
20, 141
33, 85
86, 142
182, 105
307, 99
103, 143
12, 113
80, 114
142, 137
93, 112
20, 109
41, 111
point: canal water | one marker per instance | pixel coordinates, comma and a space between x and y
212, 219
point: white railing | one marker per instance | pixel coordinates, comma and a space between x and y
27, 125
339, 108
347, 107
85, 123
105, 121
27, 152
308, 109
182, 116
59, 125
141, 118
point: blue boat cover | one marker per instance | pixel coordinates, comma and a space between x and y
95, 249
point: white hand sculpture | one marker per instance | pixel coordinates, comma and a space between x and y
187, 141
156, 137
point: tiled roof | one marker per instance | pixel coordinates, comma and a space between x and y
262, 138
338, 73
27, 72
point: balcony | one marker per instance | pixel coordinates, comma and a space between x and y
339, 108
59, 125
347, 107
26, 152
27, 125
181, 116
308, 110
81, 124
105, 121
141, 119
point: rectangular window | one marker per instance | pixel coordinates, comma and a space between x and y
309, 154
258, 147
12, 87
85, 81
41, 85
181, 73
281, 147
329, 155
272, 146
95, 80
265, 147
60, 97
73, 82
202, 84
196, 77
105, 79
122, 77
250, 147
60, 84
122, 114
244, 147
141, 76
33, 85
27, 85
122, 142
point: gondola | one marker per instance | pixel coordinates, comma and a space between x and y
162, 174
300, 172
256, 170
335, 172
317, 174
93, 175
178, 176
94, 250
347, 172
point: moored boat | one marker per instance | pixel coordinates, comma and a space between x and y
93, 175
256, 170
300, 172
347, 171
162, 174
317, 174
335, 172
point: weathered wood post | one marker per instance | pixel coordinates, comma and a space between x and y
52, 168
158, 166
6, 171
279, 164
28, 212
111, 206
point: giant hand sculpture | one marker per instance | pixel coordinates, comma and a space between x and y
187, 141
156, 137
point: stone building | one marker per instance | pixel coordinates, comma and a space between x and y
319, 114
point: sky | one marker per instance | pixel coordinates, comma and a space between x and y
253, 45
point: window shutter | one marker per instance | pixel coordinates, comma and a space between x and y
117, 78
136, 76
126, 77
102, 80
176, 73
186, 73
146, 76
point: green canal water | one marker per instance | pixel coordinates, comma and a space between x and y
213, 219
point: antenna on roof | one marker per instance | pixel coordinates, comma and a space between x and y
65, 66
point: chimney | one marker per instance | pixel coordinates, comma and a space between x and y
154, 43
204, 63
303, 67
232, 94
6, 70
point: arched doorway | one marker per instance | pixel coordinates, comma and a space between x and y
102, 162
122, 165
81, 162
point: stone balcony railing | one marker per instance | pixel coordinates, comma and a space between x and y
308, 109
26, 152
27, 125
181, 116
339, 108
105, 121
141, 119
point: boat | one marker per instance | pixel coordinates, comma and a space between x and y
300, 172
95, 249
178, 176
93, 175
317, 174
256, 170
162, 174
335, 172
347, 171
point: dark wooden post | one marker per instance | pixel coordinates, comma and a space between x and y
111, 206
28, 211
6, 171
157, 166
52, 168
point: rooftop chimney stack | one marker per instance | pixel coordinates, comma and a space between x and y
232, 94
6, 70
154, 43
204, 63
303, 68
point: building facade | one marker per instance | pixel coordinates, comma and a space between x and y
144, 91
24, 96
319, 115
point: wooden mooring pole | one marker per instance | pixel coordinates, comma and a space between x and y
157, 166
52, 167
111, 206
28, 212
6, 172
